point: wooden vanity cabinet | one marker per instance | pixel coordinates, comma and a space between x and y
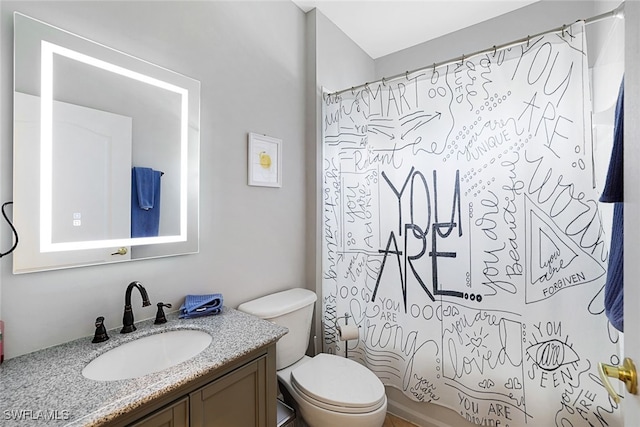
237, 399
242, 394
175, 415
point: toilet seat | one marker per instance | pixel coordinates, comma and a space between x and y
338, 384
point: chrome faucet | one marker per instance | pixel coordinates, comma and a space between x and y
127, 320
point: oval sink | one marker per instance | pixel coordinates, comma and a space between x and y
146, 355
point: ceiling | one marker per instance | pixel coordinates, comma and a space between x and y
385, 26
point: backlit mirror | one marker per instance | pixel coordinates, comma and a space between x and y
106, 153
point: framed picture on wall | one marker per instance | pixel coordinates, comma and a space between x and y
264, 161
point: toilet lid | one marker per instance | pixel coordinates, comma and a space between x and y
339, 382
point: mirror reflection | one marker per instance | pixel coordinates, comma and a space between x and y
105, 153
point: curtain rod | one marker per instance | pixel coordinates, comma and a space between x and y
617, 12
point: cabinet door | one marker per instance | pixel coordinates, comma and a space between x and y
238, 399
175, 415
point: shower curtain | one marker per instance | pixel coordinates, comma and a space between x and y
461, 233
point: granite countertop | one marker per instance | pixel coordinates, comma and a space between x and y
46, 387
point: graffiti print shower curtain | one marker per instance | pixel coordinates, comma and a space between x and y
461, 233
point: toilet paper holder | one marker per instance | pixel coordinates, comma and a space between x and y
342, 332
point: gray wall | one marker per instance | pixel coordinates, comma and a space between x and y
250, 59
327, 46
533, 19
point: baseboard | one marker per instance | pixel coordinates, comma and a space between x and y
415, 417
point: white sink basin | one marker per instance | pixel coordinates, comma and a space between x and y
146, 355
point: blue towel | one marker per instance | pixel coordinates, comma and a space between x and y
613, 193
201, 305
145, 187
145, 222
614, 185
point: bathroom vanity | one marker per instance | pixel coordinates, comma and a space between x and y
231, 382
241, 390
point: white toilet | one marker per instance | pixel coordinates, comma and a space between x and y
329, 390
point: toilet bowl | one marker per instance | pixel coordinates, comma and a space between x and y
328, 390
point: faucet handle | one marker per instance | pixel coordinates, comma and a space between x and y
160, 317
101, 332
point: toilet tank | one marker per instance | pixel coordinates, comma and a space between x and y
292, 309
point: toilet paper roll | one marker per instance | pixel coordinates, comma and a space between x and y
347, 332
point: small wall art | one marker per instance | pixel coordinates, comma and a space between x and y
264, 161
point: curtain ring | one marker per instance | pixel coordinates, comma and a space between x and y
434, 68
495, 49
406, 74
528, 40
366, 87
462, 60
563, 28
384, 82
353, 90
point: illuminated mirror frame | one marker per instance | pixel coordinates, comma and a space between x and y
48, 50
45, 41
